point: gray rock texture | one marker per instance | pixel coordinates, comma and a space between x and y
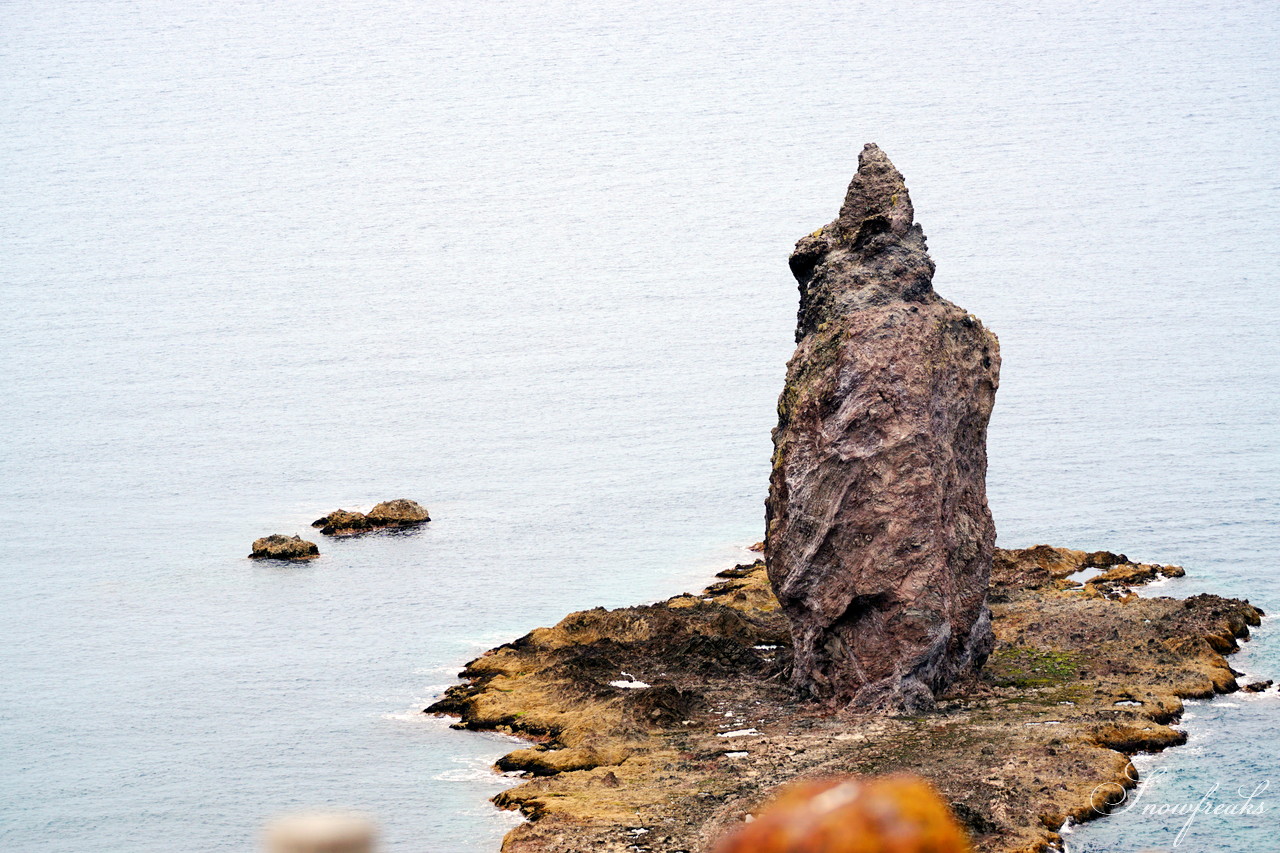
879, 539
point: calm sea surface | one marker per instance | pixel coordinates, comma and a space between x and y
526, 263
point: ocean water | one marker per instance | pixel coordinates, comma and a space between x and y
526, 263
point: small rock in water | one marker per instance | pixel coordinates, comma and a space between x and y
401, 512
1257, 686
342, 521
280, 547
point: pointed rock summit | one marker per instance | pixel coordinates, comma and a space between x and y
879, 539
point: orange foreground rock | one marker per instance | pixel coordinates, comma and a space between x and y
890, 814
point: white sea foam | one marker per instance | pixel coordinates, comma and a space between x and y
475, 769
471, 774
629, 682
406, 716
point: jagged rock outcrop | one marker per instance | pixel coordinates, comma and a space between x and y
400, 512
280, 547
879, 539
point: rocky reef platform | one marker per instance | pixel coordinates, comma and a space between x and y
659, 727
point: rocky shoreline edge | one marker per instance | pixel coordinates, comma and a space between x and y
660, 727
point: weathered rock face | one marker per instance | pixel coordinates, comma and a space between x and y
879, 540
280, 547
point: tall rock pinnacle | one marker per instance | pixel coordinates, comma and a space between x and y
879, 538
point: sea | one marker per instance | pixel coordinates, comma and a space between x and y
526, 263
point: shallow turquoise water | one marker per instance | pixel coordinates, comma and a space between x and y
526, 264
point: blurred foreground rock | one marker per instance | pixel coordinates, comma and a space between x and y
320, 833
888, 814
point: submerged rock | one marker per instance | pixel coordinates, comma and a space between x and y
879, 540
280, 547
401, 512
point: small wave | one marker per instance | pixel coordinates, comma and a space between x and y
450, 671
405, 716
415, 713
1260, 696
434, 690
474, 769
487, 641
471, 774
